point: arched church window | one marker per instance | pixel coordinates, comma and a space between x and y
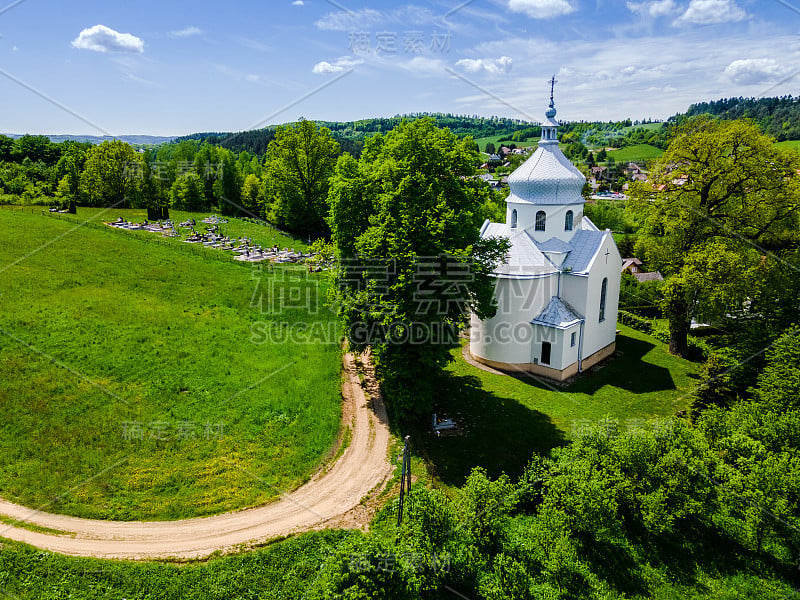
541, 217
568, 221
514, 219
603, 290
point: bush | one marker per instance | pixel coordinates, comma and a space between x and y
636, 322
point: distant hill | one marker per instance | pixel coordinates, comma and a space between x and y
134, 140
351, 134
778, 117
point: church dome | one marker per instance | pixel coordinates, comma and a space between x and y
547, 177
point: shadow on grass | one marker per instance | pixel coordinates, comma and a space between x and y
627, 371
498, 433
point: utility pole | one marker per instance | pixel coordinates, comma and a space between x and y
405, 478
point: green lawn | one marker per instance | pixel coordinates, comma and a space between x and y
260, 234
132, 385
505, 136
637, 152
507, 418
793, 144
647, 126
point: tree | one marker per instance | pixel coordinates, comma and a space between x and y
111, 173
490, 149
251, 194
187, 192
406, 223
299, 162
227, 185
718, 193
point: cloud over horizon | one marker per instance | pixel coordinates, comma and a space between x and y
104, 39
753, 71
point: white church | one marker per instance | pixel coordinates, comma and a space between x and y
557, 292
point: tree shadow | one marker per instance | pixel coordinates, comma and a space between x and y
625, 370
496, 433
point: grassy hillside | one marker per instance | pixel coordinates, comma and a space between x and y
638, 152
793, 144
135, 381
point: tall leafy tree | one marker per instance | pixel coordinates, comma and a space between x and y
187, 192
110, 174
406, 222
721, 191
299, 163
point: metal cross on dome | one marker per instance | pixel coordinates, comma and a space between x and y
553, 81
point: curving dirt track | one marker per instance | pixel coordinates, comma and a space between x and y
331, 498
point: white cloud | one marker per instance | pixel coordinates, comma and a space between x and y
750, 71
337, 66
709, 12
186, 32
104, 39
422, 65
298, 3
349, 20
15, 49
541, 9
490, 65
655, 9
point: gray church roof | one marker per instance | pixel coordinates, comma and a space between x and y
557, 314
585, 244
555, 245
547, 177
527, 258
524, 258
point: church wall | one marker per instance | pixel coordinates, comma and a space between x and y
569, 354
554, 222
573, 291
598, 334
507, 337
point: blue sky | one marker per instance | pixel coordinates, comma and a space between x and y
171, 68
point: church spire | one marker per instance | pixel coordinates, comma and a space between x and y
550, 126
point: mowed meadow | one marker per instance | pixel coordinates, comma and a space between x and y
132, 385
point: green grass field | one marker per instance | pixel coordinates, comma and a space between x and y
647, 126
507, 418
793, 144
638, 152
496, 138
132, 385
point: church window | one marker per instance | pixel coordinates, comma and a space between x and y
572, 340
568, 221
514, 219
603, 290
540, 221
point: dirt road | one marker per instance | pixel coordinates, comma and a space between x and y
331, 498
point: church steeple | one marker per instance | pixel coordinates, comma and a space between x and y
550, 125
